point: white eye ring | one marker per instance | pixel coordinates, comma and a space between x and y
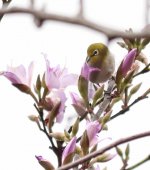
95, 52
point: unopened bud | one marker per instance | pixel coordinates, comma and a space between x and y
23, 88
75, 127
33, 118
127, 152
84, 142
44, 163
58, 136
106, 117
83, 88
135, 89
98, 94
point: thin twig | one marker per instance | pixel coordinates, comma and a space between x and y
139, 163
81, 9
104, 149
4, 6
43, 16
145, 70
43, 124
121, 112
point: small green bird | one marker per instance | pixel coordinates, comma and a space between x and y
99, 56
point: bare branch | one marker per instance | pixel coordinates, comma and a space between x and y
121, 112
81, 9
4, 5
43, 16
101, 151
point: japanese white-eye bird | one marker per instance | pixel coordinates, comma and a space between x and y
99, 56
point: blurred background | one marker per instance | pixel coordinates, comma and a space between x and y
22, 42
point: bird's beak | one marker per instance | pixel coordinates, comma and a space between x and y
87, 59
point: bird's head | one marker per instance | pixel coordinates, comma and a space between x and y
96, 54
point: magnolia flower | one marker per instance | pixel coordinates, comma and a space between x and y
69, 150
19, 75
87, 70
92, 129
57, 79
128, 61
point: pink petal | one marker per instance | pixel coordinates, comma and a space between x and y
50, 77
87, 70
93, 129
69, 79
12, 77
70, 148
128, 61
30, 72
62, 97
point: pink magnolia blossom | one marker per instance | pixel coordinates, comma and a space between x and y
93, 128
87, 70
69, 149
57, 79
19, 75
128, 61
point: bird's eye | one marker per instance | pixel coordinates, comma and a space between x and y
95, 52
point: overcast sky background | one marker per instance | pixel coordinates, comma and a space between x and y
21, 42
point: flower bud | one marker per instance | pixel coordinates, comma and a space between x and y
84, 143
38, 84
33, 118
98, 94
58, 136
106, 117
75, 127
23, 88
44, 163
52, 115
128, 61
69, 151
78, 104
83, 89
125, 66
119, 152
135, 89
127, 152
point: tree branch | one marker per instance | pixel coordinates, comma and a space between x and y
43, 16
104, 149
5, 4
121, 112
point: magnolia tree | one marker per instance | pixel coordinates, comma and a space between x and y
79, 146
